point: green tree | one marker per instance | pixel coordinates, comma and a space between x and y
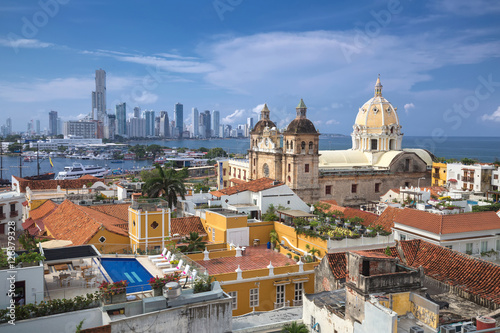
215, 152
294, 327
273, 238
270, 214
138, 150
388, 251
154, 150
468, 161
195, 243
313, 252
203, 150
15, 147
27, 241
169, 184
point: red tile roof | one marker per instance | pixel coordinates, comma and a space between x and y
34, 224
52, 183
237, 181
368, 218
255, 257
472, 275
185, 225
79, 224
387, 218
257, 185
449, 224
120, 211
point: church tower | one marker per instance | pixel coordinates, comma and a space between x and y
265, 151
377, 125
300, 156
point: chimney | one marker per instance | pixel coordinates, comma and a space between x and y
271, 269
239, 271
205, 255
238, 251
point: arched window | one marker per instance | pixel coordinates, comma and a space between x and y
287, 145
303, 146
291, 145
265, 169
311, 146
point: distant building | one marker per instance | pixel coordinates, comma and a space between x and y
216, 123
136, 127
121, 119
196, 118
84, 129
164, 125
149, 117
439, 174
137, 112
179, 118
99, 97
208, 124
249, 126
53, 123
474, 178
110, 130
37, 127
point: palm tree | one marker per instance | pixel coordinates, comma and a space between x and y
194, 242
294, 327
273, 238
168, 184
313, 251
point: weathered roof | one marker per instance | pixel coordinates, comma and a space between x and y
52, 184
387, 218
301, 126
120, 211
185, 225
449, 224
257, 185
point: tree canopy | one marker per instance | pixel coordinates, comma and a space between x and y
168, 185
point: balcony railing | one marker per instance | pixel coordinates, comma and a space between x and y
2, 216
281, 304
297, 303
435, 175
14, 213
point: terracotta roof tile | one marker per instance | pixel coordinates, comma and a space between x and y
448, 224
120, 211
387, 218
338, 264
79, 224
368, 218
237, 181
254, 186
185, 225
255, 257
53, 183
34, 224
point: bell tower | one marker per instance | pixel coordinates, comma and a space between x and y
301, 157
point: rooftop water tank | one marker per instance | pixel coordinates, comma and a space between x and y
172, 290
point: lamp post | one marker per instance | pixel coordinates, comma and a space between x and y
418, 183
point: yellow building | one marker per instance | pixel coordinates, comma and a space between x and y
258, 279
232, 172
439, 174
148, 224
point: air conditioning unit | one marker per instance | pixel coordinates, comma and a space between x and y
448, 329
469, 328
154, 304
416, 329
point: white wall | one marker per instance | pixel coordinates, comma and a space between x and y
34, 284
328, 322
281, 195
63, 322
346, 243
379, 317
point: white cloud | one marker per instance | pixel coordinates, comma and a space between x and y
336, 105
234, 117
258, 108
495, 116
146, 98
408, 107
24, 43
332, 122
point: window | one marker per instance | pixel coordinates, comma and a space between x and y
377, 187
402, 237
354, 188
154, 225
265, 169
468, 248
297, 300
234, 295
102, 239
374, 144
303, 146
495, 177
280, 295
310, 147
254, 297
13, 207
328, 189
289, 167
288, 202
225, 183
407, 184
224, 171
244, 175
239, 173
229, 171
407, 164
306, 168
484, 246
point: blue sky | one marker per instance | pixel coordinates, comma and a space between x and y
439, 61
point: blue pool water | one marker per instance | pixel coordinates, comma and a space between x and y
130, 270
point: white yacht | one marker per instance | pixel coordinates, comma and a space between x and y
77, 170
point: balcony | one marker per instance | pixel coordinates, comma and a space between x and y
281, 304
435, 175
14, 213
2, 216
297, 303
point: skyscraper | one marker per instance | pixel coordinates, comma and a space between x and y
121, 119
99, 97
111, 128
215, 123
179, 118
53, 123
164, 125
196, 119
150, 122
137, 112
208, 124
8, 126
37, 127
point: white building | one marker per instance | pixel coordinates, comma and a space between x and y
70, 142
85, 129
11, 211
471, 233
495, 179
255, 197
474, 178
136, 127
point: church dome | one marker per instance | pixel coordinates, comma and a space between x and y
301, 125
263, 122
377, 115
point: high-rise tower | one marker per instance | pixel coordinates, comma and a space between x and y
99, 96
53, 123
121, 119
196, 118
215, 123
179, 118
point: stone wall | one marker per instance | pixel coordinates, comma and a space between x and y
325, 280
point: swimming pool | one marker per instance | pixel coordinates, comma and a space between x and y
130, 270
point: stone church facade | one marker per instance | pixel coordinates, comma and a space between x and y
375, 163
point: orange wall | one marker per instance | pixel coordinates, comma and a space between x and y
259, 230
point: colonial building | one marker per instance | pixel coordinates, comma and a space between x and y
375, 163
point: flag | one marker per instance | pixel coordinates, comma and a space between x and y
51, 164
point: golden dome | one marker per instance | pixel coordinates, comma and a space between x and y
377, 115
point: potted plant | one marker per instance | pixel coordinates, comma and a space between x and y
157, 283
114, 292
174, 263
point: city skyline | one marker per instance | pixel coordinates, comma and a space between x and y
438, 62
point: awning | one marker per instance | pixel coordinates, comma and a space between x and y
452, 180
295, 213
